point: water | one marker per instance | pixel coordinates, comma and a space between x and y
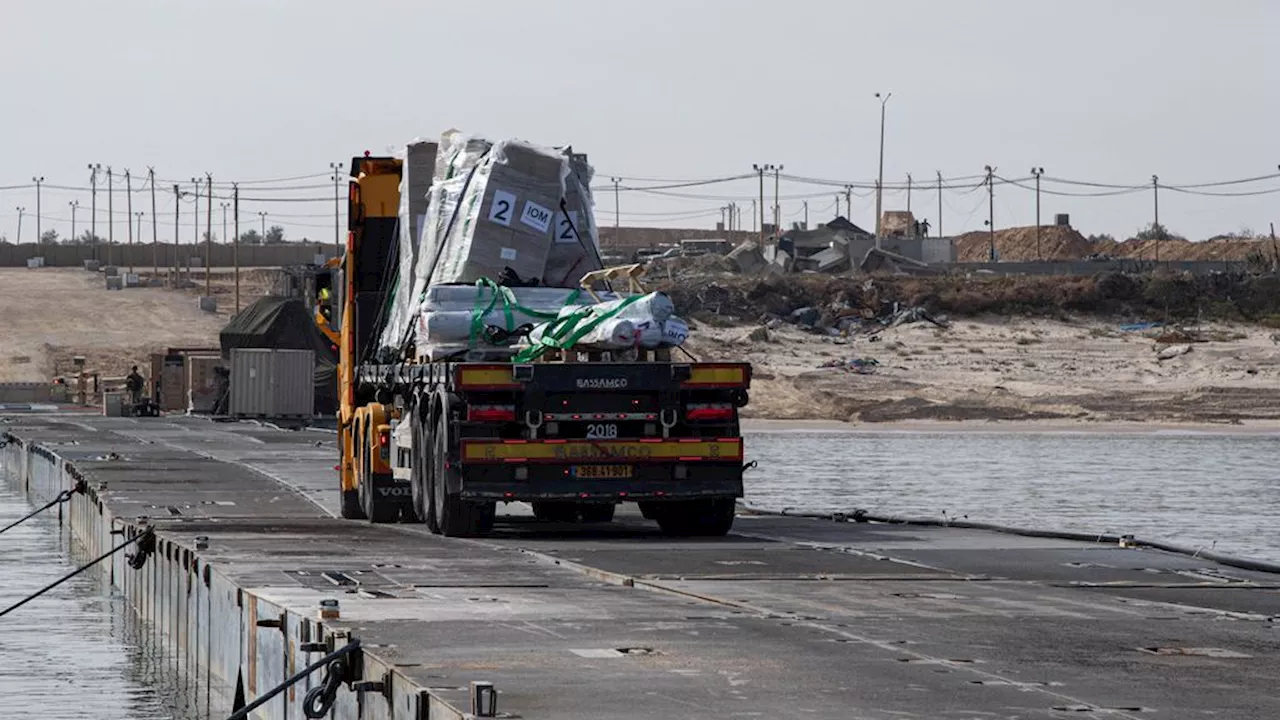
1219, 491
77, 652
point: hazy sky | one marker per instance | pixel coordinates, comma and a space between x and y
1099, 90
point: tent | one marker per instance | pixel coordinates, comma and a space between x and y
285, 324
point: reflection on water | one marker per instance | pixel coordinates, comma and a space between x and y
77, 652
1199, 489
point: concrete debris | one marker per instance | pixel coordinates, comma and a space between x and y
806, 316
1172, 351
747, 258
756, 335
859, 366
879, 260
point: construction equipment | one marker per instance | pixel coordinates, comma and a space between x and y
574, 434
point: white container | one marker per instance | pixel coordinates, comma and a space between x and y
272, 383
113, 404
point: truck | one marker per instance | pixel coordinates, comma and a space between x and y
444, 442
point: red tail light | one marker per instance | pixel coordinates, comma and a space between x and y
713, 411
491, 413
384, 439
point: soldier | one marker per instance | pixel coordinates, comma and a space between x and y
134, 384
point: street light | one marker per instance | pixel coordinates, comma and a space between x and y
20, 211
880, 182
263, 214
224, 205
73, 204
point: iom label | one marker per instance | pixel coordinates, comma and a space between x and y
502, 208
536, 216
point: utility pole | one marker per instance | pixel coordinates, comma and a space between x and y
195, 228
263, 214
1155, 197
155, 231
908, 193
111, 217
128, 199
208, 238
777, 208
760, 170
1038, 171
880, 182
939, 203
337, 237
224, 205
837, 204
753, 215
617, 211
139, 215
806, 214
20, 211
93, 208
39, 234
74, 204
235, 251
723, 209
848, 202
177, 212
991, 210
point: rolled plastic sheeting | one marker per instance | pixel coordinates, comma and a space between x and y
455, 326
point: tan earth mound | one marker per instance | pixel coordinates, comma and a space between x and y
49, 315
1064, 243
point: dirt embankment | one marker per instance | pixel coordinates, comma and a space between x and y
1073, 349
1064, 243
49, 315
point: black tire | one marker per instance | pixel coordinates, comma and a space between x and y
597, 512
456, 517
351, 509
418, 469
377, 509
697, 518
555, 511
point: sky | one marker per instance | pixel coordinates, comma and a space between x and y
245, 90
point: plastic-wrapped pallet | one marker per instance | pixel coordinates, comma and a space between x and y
417, 171
504, 216
458, 153
575, 246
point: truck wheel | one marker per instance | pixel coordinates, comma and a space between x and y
697, 518
378, 509
557, 512
597, 512
456, 517
351, 508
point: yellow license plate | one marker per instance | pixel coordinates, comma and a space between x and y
602, 472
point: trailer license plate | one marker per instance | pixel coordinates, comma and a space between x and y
602, 472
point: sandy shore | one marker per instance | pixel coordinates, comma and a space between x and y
1076, 374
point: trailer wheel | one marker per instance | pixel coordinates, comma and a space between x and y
418, 470
696, 518
456, 517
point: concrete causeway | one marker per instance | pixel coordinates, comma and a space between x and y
785, 618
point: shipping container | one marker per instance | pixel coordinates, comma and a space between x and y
113, 404
272, 383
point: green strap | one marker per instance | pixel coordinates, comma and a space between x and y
510, 306
565, 332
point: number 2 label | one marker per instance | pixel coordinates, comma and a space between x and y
502, 207
567, 227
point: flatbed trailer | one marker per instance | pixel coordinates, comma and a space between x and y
445, 442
